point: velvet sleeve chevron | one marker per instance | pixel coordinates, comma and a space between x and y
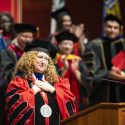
19, 103
65, 99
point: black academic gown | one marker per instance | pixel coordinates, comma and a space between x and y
104, 51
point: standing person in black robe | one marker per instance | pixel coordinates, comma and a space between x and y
105, 48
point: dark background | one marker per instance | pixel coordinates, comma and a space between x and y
88, 12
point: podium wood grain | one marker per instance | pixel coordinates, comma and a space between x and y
100, 114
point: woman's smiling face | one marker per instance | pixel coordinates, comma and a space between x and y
41, 62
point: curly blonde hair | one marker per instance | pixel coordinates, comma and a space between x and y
26, 65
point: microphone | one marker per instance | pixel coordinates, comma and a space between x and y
102, 79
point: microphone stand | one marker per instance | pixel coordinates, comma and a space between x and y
108, 80
102, 79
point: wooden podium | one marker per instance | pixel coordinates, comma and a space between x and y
100, 114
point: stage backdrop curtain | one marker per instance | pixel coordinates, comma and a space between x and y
14, 7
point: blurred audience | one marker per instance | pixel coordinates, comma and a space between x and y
6, 27
70, 66
63, 22
9, 56
24, 35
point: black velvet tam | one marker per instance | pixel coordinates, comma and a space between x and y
66, 35
24, 27
60, 13
42, 45
111, 17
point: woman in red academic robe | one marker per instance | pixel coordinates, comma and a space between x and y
37, 95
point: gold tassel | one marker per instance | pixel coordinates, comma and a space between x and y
38, 32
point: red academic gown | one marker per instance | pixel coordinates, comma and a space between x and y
16, 49
23, 107
74, 84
